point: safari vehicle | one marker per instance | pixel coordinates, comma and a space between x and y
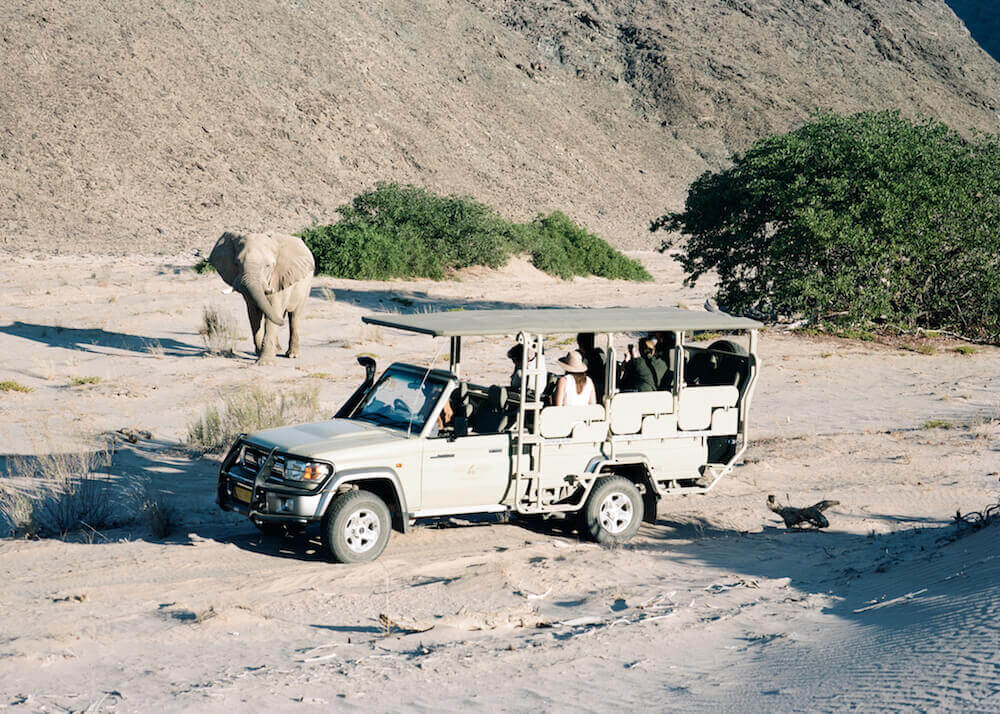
390, 456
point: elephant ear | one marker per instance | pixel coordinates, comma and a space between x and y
294, 261
223, 257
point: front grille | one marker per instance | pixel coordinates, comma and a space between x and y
252, 458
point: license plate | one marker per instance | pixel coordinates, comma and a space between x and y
241, 493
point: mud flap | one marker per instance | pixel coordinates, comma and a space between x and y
650, 500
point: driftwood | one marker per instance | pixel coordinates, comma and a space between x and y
802, 517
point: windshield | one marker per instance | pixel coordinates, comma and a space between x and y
401, 400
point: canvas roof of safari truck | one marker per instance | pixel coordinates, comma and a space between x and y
549, 321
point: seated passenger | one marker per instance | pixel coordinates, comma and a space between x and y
515, 354
575, 388
648, 372
666, 342
593, 360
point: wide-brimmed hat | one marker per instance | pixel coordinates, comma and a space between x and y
572, 362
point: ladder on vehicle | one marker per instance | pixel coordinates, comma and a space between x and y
528, 440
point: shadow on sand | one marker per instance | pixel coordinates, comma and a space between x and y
408, 302
99, 340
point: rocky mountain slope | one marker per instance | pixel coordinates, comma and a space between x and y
153, 126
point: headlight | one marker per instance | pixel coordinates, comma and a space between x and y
296, 470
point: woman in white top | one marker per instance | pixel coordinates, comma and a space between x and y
575, 388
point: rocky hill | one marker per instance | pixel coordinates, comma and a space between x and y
152, 126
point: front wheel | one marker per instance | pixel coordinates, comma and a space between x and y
356, 527
614, 510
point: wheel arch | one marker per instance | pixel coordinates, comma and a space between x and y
635, 468
384, 483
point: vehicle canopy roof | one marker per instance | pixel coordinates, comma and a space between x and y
549, 321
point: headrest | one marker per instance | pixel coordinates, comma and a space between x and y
497, 397
460, 396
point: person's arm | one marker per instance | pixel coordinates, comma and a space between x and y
593, 392
560, 399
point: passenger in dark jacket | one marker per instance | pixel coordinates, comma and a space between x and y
648, 372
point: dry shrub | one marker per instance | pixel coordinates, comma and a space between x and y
219, 330
160, 516
55, 494
247, 409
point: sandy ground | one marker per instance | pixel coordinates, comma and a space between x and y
714, 607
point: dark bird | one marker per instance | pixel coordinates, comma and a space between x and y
802, 517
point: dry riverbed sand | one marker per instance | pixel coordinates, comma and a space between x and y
714, 607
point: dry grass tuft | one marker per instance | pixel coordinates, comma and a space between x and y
55, 494
923, 349
247, 409
12, 386
152, 506
371, 334
84, 381
219, 330
155, 348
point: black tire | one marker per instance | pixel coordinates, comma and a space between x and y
613, 511
728, 346
356, 527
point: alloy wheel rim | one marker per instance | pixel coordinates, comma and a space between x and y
616, 512
362, 530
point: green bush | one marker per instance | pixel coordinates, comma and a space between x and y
870, 215
405, 231
562, 248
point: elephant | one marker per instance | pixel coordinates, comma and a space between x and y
274, 273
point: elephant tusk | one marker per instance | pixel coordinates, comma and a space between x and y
226, 291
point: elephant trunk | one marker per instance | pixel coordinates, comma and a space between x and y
254, 292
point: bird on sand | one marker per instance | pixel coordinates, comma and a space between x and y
802, 517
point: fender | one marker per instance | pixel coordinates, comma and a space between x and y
349, 476
650, 495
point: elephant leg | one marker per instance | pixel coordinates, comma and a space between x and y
269, 343
256, 328
293, 335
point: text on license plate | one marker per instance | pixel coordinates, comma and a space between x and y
241, 493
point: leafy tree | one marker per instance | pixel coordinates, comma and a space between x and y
869, 215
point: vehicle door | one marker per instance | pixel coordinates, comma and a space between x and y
465, 471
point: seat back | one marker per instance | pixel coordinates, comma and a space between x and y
629, 408
461, 408
558, 422
493, 417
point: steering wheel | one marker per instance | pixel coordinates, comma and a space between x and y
400, 406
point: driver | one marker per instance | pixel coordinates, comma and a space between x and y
431, 392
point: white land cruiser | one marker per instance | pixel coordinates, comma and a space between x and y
421, 443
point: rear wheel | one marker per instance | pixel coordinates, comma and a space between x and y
356, 527
614, 510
